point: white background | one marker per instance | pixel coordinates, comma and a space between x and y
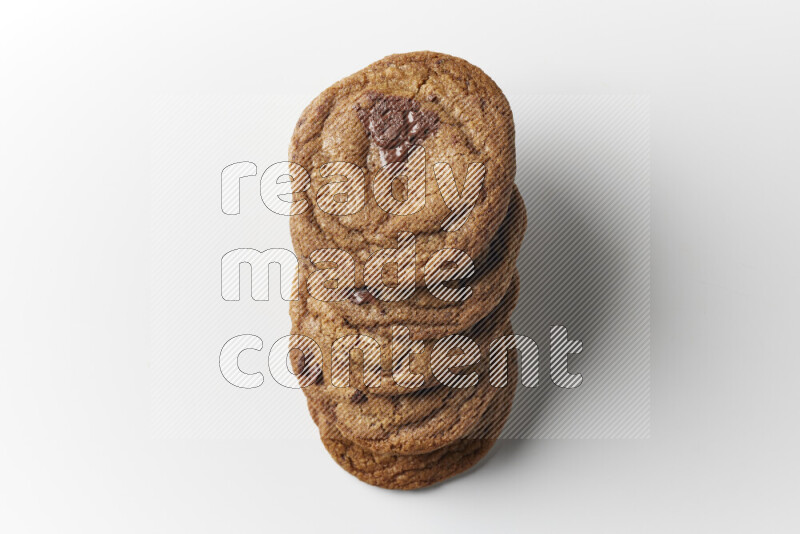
78, 80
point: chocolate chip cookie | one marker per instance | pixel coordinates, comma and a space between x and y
419, 421
425, 314
448, 108
400, 374
407, 225
395, 471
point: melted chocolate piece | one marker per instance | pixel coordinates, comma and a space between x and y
299, 367
361, 296
396, 124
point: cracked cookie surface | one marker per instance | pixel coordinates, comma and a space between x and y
395, 373
417, 421
425, 314
396, 471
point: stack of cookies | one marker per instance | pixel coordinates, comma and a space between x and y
393, 357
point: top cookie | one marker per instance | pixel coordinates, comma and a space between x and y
395, 120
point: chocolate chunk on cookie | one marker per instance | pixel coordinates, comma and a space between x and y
396, 124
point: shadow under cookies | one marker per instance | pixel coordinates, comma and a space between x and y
584, 265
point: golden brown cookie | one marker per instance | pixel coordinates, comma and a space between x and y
420, 421
443, 104
403, 181
393, 471
397, 374
424, 313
